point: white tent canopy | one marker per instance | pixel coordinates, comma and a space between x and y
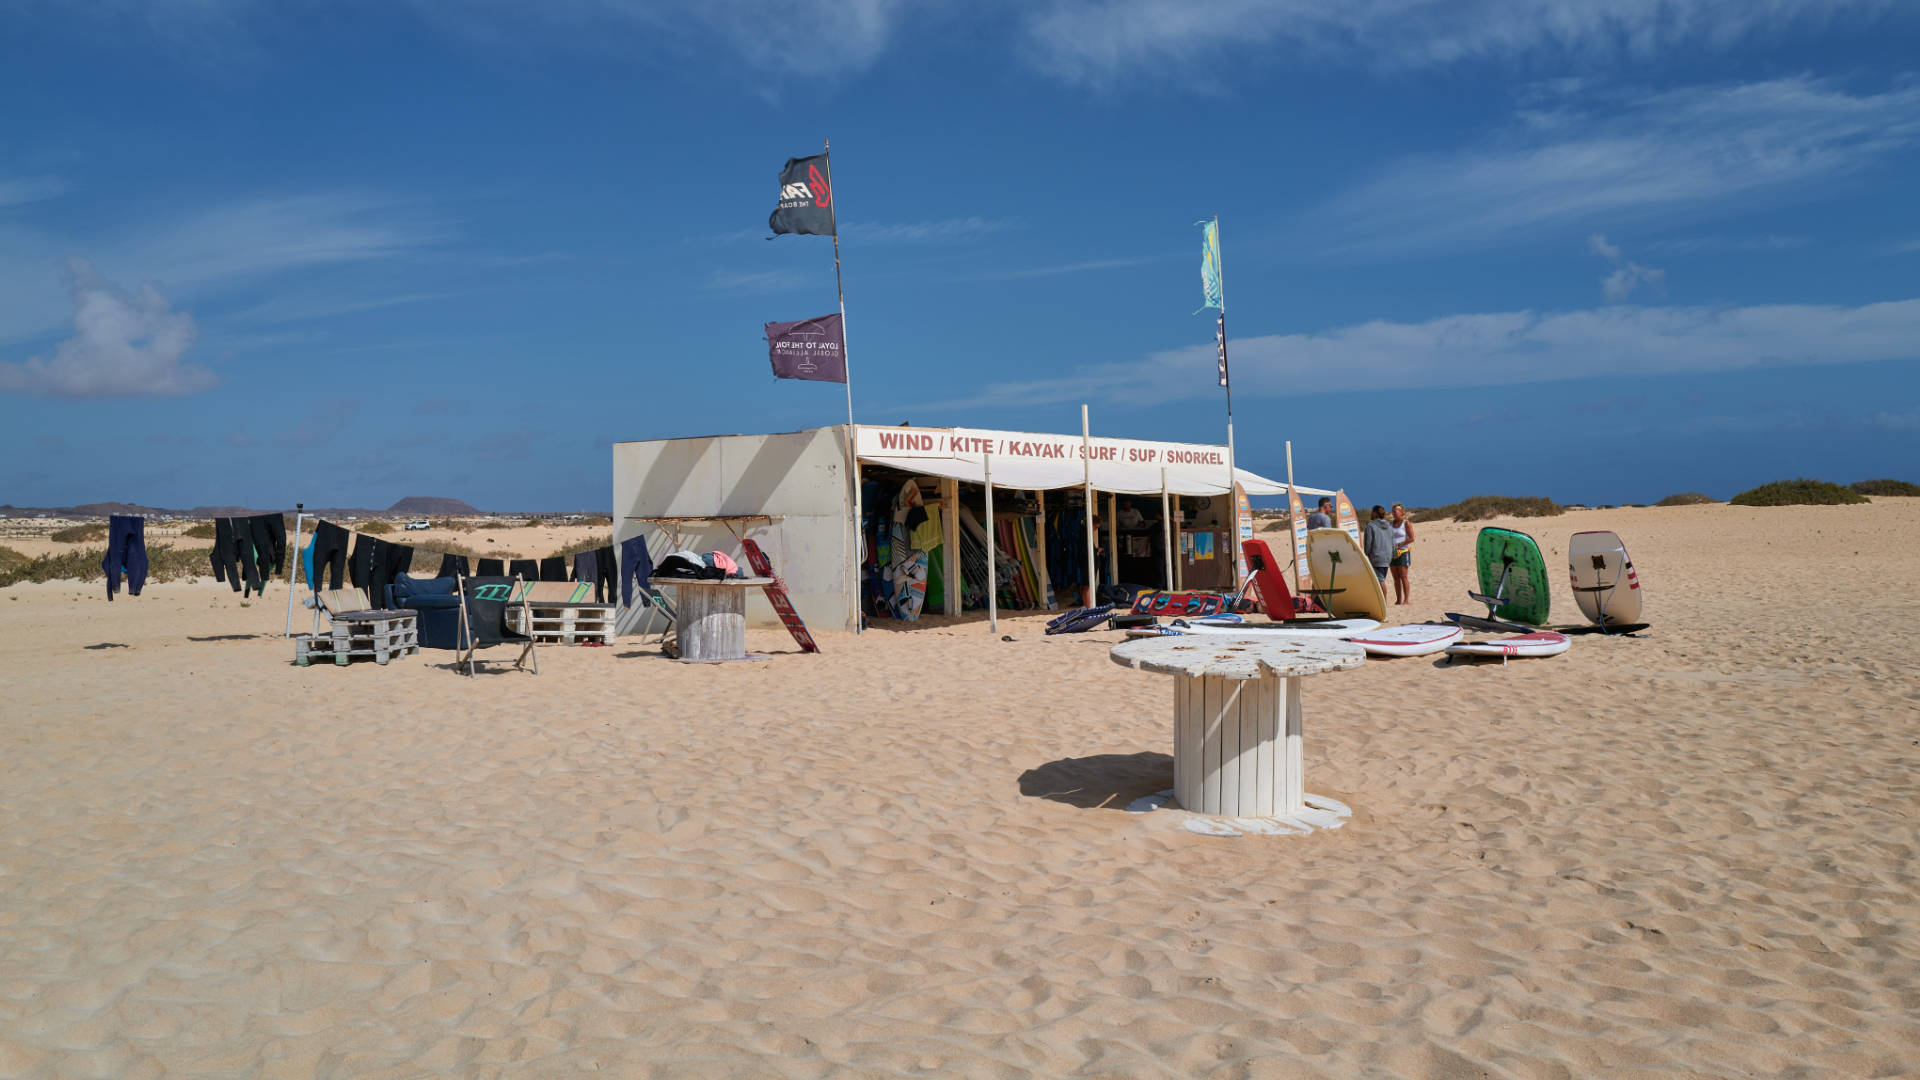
1028, 461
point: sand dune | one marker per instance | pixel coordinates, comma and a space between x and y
1691, 854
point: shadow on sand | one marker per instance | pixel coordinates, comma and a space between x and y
1104, 781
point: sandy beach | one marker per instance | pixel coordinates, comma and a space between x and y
1690, 854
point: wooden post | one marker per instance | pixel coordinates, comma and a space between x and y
1166, 529
1113, 537
1179, 565
1046, 583
293, 563
993, 548
1086, 463
950, 540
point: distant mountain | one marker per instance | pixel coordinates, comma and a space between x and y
424, 505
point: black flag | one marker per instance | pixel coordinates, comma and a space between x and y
814, 349
806, 199
1220, 340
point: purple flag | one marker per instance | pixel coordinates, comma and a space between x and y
809, 349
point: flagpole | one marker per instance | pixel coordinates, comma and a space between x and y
853, 433
1233, 503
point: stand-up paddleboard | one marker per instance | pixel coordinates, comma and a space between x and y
1513, 576
1344, 516
1337, 563
1489, 626
1269, 580
1605, 584
1538, 643
1419, 639
1343, 629
777, 596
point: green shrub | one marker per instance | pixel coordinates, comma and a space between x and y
1482, 507
202, 530
567, 551
80, 534
536, 523
164, 563
1685, 498
1802, 492
495, 524
453, 525
374, 528
1886, 487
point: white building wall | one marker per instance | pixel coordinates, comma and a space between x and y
799, 477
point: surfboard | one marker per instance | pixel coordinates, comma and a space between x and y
1269, 580
1527, 596
1344, 516
1605, 584
1538, 643
1418, 639
777, 596
1297, 520
1242, 532
910, 584
1337, 562
1344, 628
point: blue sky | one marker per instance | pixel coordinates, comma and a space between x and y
336, 252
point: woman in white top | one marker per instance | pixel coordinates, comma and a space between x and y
1402, 555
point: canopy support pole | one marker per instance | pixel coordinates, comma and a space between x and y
1046, 582
950, 540
1086, 462
1166, 527
1113, 538
293, 563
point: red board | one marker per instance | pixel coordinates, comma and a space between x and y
1270, 578
777, 596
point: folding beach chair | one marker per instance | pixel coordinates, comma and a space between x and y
483, 620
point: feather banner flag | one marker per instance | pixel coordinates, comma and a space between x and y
1210, 266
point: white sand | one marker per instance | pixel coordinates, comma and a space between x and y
1687, 855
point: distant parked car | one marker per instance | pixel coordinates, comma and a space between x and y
416, 525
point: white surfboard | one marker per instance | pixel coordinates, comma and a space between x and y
1337, 562
1258, 632
1419, 639
1541, 643
1605, 584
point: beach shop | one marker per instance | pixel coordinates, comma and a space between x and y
1163, 513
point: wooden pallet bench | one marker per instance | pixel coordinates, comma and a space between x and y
380, 635
564, 624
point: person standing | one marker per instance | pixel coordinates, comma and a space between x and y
1402, 555
1377, 542
1321, 518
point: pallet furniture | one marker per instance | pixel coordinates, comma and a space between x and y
1237, 722
377, 635
563, 624
712, 617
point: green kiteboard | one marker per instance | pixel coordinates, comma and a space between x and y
1526, 593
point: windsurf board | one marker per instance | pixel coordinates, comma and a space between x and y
1418, 639
1336, 561
1605, 584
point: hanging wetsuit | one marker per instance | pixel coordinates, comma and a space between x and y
491, 568
225, 555
554, 568
263, 559
126, 551
528, 569
394, 560
363, 561
635, 566
454, 566
329, 552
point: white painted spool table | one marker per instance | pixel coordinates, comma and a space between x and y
710, 616
1236, 719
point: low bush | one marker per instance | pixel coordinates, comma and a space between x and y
373, 528
1483, 507
453, 525
202, 530
1802, 492
1685, 498
495, 524
164, 563
90, 533
1886, 487
590, 543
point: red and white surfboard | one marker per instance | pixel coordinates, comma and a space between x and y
777, 596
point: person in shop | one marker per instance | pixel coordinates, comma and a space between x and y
1322, 518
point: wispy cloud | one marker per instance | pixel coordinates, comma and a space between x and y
917, 232
1627, 275
757, 281
1066, 268
1908, 247
295, 307
122, 346
1700, 245
1102, 41
16, 191
1703, 150
1498, 349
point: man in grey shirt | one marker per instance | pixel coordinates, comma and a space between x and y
1323, 517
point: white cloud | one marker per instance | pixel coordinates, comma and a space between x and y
1065, 268
1627, 275
1697, 151
123, 346
1103, 41
1694, 245
1499, 348
923, 231
20, 190
757, 281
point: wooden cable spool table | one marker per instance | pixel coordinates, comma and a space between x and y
1237, 726
711, 616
